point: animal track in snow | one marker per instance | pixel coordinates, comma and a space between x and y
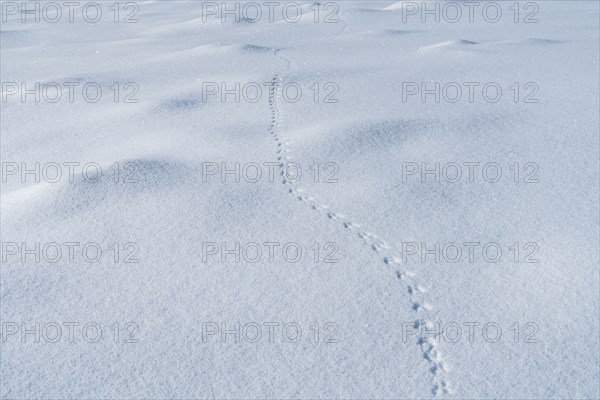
415, 291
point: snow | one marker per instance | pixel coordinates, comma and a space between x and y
365, 208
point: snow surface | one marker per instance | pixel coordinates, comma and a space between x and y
369, 213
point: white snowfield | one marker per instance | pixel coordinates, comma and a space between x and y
440, 242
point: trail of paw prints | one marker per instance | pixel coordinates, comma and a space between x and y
389, 257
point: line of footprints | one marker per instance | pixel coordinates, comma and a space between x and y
429, 346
